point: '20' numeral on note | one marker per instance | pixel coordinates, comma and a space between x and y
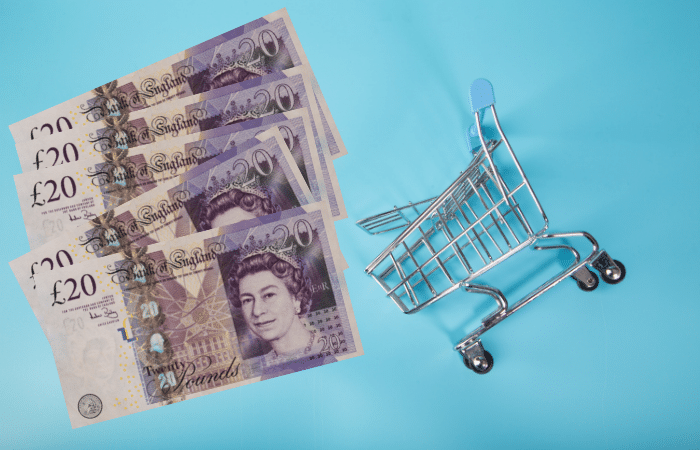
66, 155
88, 288
69, 189
167, 380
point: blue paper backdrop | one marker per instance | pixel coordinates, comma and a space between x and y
599, 100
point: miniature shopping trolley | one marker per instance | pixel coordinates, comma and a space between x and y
483, 218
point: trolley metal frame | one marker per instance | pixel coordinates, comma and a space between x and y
475, 224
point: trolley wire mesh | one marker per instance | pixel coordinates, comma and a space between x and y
453, 238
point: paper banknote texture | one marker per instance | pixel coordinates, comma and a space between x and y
261, 178
196, 316
261, 47
249, 100
181, 226
63, 197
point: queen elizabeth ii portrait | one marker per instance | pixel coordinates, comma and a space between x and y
272, 294
233, 202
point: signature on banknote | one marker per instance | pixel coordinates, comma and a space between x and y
106, 312
83, 215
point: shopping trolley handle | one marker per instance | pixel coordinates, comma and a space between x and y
480, 95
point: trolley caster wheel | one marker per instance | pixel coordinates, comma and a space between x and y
610, 277
583, 286
480, 365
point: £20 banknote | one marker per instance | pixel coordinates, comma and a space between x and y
264, 46
193, 316
259, 179
63, 197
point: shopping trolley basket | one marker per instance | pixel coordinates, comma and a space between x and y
482, 219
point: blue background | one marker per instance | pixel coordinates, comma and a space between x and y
599, 100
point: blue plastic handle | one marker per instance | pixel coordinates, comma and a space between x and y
480, 95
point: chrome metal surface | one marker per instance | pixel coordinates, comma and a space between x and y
483, 218
585, 276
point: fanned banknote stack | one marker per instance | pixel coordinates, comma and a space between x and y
181, 226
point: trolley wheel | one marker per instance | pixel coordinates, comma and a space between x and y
583, 286
485, 365
610, 279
